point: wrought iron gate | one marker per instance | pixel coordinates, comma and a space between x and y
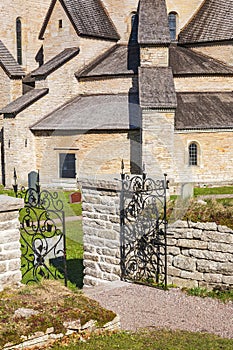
143, 229
42, 228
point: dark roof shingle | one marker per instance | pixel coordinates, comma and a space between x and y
89, 18
9, 64
207, 110
55, 63
94, 112
213, 22
119, 60
153, 22
23, 101
187, 62
156, 87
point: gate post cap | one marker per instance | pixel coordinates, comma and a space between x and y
8, 203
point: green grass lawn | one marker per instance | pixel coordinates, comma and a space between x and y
202, 191
151, 339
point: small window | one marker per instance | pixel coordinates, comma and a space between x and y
19, 40
172, 20
60, 24
193, 154
67, 165
134, 28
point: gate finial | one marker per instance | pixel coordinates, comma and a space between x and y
122, 170
15, 186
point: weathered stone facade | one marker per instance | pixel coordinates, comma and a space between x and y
10, 253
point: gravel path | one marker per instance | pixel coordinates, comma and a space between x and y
140, 306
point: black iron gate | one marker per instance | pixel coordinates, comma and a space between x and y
42, 228
143, 229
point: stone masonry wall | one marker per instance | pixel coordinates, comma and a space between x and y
101, 231
10, 253
199, 254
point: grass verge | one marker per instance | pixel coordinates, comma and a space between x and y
151, 339
217, 293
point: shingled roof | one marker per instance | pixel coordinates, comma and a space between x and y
207, 110
9, 64
187, 62
23, 102
94, 112
88, 17
157, 88
118, 60
213, 22
55, 63
153, 22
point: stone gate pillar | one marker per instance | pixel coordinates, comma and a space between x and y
101, 230
10, 253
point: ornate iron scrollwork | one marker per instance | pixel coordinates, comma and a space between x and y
143, 229
42, 228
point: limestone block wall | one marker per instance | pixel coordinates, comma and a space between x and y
10, 253
154, 56
101, 231
212, 146
200, 255
108, 86
158, 142
204, 84
96, 153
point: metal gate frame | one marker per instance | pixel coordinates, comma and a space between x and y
143, 229
43, 238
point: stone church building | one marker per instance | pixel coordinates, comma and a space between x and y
87, 83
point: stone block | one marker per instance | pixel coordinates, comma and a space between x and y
208, 255
184, 263
220, 247
173, 250
173, 271
219, 237
207, 266
3, 267
105, 267
227, 280
212, 277
90, 257
195, 276
14, 264
192, 243
183, 283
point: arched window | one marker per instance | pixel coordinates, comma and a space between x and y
19, 40
172, 20
193, 154
134, 28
